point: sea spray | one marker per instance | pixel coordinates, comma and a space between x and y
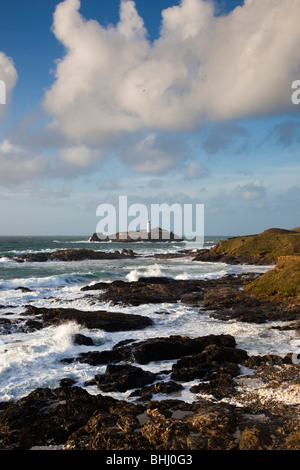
151, 271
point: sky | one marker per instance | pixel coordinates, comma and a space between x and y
166, 102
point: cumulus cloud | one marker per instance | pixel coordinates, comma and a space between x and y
8, 77
19, 167
203, 67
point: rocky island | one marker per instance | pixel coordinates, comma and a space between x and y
153, 235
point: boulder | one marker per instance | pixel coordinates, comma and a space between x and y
100, 319
119, 378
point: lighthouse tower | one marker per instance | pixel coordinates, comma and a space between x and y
148, 230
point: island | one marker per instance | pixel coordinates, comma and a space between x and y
156, 234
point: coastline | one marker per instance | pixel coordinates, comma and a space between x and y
240, 401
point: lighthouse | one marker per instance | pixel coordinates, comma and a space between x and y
148, 229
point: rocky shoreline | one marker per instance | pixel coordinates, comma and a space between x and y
232, 409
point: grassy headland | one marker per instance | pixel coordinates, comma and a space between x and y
284, 279
262, 248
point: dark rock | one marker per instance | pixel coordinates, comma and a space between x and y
107, 321
119, 378
82, 340
71, 418
233, 259
166, 388
73, 255
96, 358
23, 289
156, 349
193, 299
145, 290
67, 382
201, 365
47, 416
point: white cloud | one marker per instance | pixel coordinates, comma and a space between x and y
202, 67
78, 156
8, 77
19, 167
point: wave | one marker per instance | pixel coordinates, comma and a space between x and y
58, 280
151, 271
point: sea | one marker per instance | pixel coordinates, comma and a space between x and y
33, 359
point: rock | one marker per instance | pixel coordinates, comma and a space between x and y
228, 299
119, 378
145, 290
72, 419
254, 438
166, 388
156, 349
82, 340
202, 365
72, 255
67, 382
47, 416
23, 289
193, 299
107, 321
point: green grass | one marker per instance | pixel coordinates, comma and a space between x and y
284, 279
269, 244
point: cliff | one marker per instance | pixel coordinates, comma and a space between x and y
263, 248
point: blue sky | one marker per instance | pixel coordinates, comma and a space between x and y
163, 101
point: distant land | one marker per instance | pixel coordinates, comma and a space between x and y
155, 235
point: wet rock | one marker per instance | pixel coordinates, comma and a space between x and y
230, 301
66, 382
193, 299
47, 416
156, 349
208, 362
107, 321
72, 255
166, 388
23, 289
71, 418
82, 340
120, 378
145, 290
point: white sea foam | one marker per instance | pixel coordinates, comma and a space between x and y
150, 271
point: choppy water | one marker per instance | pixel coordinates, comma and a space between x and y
31, 360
